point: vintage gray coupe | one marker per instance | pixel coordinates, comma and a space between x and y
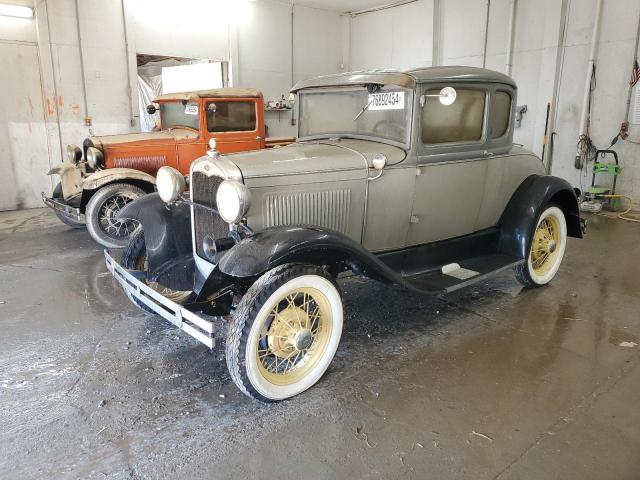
410, 178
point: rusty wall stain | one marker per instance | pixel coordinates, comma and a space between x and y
51, 107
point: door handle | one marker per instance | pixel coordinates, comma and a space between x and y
487, 153
258, 137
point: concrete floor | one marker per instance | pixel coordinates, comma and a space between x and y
490, 382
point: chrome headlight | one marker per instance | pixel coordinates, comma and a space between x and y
170, 184
233, 200
94, 157
74, 154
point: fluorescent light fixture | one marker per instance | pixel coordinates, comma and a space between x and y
15, 11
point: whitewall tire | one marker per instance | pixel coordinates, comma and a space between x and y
285, 332
546, 250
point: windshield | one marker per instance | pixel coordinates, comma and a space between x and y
353, 112
179, 115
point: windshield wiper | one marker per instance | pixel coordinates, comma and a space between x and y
364, 109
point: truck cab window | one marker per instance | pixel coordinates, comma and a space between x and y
226, 116
179, 115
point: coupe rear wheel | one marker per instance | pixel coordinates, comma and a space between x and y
134, 257
548, 243
102, 214
285, 332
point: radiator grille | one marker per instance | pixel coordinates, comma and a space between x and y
205, 222
328, 209
146, 163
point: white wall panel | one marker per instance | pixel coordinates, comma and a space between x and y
24, 157
17, 29
317, 49
264, 52
462, 31
412, 27
399, 37
372, 40
190, 28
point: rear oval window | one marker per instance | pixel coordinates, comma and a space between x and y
500, 114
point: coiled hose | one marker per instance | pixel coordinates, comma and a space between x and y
625, 215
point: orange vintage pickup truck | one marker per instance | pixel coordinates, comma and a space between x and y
108, 172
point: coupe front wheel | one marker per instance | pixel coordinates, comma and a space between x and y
548, 242
285, 332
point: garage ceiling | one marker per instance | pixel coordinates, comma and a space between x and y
343, 6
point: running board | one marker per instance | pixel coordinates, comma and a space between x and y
465, 272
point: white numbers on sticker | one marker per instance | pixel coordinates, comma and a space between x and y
191, 109
386, 101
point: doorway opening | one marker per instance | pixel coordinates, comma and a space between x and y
162, 74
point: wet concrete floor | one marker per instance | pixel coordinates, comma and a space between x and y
492, 382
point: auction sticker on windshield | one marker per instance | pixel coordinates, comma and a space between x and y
386, 101
191, 109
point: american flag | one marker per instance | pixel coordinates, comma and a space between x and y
635, 74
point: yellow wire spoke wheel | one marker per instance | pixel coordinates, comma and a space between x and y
546, 240
285, 332
294, 336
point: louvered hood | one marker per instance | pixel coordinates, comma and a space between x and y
298, 159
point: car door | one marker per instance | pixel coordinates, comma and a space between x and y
237, 124
504, 170
389, 199
452, 163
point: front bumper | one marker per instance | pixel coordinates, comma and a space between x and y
199, 328
66, 210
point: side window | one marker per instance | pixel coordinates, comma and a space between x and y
228, 116
500, 114
461, 121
